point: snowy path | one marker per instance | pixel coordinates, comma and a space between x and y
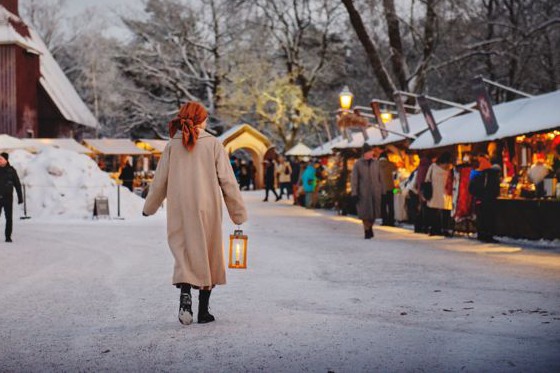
93, 296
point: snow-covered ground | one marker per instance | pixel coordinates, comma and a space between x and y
83, 295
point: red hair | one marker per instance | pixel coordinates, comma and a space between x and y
190, 117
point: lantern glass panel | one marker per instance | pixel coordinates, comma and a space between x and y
346, 99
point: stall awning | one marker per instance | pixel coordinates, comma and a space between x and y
154, 145
114, 147
326, 148
356, 142
66, 144
300, 150
519, 117
11, 143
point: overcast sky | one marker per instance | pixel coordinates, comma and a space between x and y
110, 8
77, 6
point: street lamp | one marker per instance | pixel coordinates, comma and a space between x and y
346, 98
386, 117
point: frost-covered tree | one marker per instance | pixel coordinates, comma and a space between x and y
179, 52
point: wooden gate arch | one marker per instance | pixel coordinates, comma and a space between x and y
247, 137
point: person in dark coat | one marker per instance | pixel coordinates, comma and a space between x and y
269, 175
296, 168
421, 224
367, 189
127, 174
485, 188
387, 169
244, 181
8, 181
252, 174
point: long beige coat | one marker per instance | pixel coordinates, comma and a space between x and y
194, 183
438, 176
367, 185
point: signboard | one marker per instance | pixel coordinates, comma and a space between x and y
432, 125
485, 106
402, 112
101, 207
380, 124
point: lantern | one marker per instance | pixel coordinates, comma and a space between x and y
386, 117
345, 97
238, 250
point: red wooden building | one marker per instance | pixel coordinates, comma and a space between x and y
36, 97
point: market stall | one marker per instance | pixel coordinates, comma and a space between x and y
155, 147
299, 150
111, 155
527, 145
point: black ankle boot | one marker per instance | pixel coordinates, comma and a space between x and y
185, 306
368, 234
203, 300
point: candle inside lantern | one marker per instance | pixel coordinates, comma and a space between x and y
237, 252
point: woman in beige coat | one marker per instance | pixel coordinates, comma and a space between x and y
194, 173
441, 201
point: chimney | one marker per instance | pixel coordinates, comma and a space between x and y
11, 6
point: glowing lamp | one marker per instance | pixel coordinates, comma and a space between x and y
386, 117
346, 98
238, 250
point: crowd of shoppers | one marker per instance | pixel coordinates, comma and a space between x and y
440, 194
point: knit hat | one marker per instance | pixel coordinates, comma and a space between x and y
5, 155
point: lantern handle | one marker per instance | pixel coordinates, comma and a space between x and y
238, 231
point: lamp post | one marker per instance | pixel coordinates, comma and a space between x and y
346, 97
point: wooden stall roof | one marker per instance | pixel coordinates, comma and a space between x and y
114, 147
66, 144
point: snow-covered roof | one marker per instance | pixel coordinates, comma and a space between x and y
60, 90
237, 130
10, 35
53, 79
357, 140
11, 143
66, 144
300, 149
325, 148
114, 147
518, 117
416, 124
157, 145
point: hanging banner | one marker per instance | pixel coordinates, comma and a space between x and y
377, 113
485, 106
402, 112
423, 103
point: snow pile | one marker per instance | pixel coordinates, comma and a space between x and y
62, 183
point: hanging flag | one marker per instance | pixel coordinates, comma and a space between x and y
402, 112
380, 124
423, 103
485, 106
